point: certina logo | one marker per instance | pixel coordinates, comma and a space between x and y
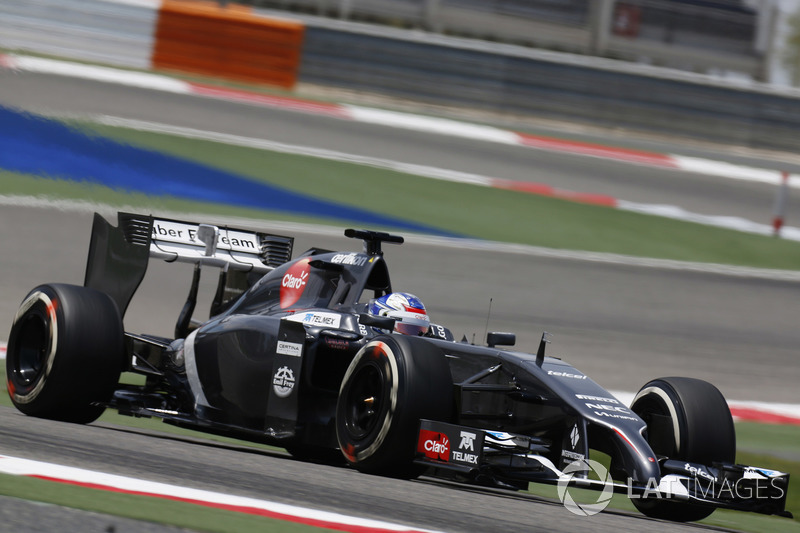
283, 382
349, 259
294, 283
289, 348
565, 374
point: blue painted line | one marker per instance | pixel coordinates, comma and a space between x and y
34, 145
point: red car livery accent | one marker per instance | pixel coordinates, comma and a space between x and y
294, 283
434, 445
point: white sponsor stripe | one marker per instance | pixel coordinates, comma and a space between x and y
3, 348
112, 482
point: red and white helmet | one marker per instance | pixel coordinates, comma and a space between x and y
407, 310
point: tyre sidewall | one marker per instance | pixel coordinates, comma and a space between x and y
83, 354
416, 384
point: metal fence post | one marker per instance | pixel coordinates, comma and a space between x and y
600, 24
781, 200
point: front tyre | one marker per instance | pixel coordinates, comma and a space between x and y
689, 420
392, 383
65, 353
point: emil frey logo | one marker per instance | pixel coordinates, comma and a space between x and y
283, 382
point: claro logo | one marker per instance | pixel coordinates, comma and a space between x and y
434, 445
294, 283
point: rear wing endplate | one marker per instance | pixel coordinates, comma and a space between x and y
118, 256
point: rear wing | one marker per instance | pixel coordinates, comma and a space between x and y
118, 256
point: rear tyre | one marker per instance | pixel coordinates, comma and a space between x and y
689, 420
65, 353
392, 383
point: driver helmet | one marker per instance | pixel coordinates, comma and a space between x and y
407, 310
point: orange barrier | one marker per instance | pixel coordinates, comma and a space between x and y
229, 42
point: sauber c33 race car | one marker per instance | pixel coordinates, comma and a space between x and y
290, 357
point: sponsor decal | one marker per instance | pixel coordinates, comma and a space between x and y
330, 320
294, 282
614, 415
596, 398
179, 232
699, 471
283, 382
434, 444
467, 441
575, 456
604, 407
350, 259
574, 436
337, 344
466, 445
290, 348
437, 441
565, 374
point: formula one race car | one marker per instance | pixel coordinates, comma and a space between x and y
291, 357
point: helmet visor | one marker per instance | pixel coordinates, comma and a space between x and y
410, 329
409, 323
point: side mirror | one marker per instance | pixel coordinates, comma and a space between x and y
382, 322
497, 338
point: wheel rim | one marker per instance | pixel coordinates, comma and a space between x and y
365, 401
30, 350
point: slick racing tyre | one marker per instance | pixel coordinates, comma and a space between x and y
689, 420
391, 384
65, 353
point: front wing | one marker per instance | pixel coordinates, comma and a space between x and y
506, 460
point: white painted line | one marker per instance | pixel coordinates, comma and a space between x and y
442, 126
331, 155
394, 119
111, 482
669, 211
144, 80
727, 222
81, 206
732, 171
